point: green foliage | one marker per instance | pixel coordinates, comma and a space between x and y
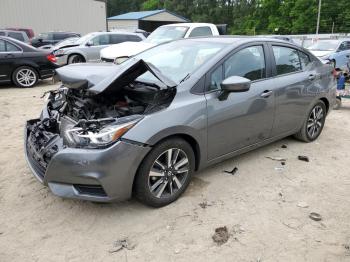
251, 16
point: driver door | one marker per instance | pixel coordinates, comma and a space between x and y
93, 51
243, 118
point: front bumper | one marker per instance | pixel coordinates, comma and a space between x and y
62, 60
101, 175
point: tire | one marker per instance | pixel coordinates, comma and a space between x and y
166, 182
333, 63
74, 59
315, 118
25, 77
337, 105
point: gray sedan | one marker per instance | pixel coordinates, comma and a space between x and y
144, 127
88, 47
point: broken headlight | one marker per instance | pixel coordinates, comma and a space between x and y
107, 135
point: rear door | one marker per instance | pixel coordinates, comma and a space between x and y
243, 118
295, 80
8, 55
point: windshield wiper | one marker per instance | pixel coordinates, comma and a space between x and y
185, 78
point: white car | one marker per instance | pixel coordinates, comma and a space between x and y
160, 35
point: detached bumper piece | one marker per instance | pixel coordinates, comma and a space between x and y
41, 144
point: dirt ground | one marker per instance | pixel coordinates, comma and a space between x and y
262, 212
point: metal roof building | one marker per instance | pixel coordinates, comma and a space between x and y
81, 16
145, 20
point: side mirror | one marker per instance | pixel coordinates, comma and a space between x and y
233, 84
348, 56
89, 43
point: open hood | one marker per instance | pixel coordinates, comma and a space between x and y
105, 77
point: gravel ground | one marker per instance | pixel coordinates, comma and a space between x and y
259, 214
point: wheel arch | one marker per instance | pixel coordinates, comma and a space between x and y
326, 102
77, 53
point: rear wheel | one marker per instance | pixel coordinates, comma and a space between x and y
165, 173
25, 76
74, 59
313, 125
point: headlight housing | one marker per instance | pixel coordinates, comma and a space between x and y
105, 136
59, 52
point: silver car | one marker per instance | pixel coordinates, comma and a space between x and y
87, 48
144, 127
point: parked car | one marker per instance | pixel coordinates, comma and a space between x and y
87, 48
51, 38
23, 64
160, 35
145, 126
64, 43
21, 36
28, 31
332, 51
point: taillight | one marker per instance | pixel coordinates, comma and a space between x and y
51, 58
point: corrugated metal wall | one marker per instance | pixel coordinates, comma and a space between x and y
128, 25
81, 16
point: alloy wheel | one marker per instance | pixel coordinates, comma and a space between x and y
26, 77
168, 173
315, 121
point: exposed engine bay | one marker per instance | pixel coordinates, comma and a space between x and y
76, 117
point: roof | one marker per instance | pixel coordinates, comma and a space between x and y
142, 14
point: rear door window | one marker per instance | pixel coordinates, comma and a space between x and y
2, 46
117, 38
201, 31
60, 36
287, 60
11, 47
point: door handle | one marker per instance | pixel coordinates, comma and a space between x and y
266, 93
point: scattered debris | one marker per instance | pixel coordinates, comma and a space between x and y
204, 204
237, 229
121, 244
347, 247
179, 248
221, 235
283, 163
277, 158
304, 158
302, 204
284, 146
315, 216
279, 168
232, 172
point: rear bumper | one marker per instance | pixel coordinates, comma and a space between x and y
101, 175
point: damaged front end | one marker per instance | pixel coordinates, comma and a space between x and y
93, 110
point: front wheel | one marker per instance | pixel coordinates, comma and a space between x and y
75, 59
165, 173
313, 124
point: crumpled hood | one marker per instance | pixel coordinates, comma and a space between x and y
321, 53
105, 77
124, 49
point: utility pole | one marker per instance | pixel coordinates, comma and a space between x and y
318, 17
332, 28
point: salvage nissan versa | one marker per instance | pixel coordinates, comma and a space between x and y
143, 127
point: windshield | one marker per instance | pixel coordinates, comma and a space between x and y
322, 45
166, 33
176, 60
84, 38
